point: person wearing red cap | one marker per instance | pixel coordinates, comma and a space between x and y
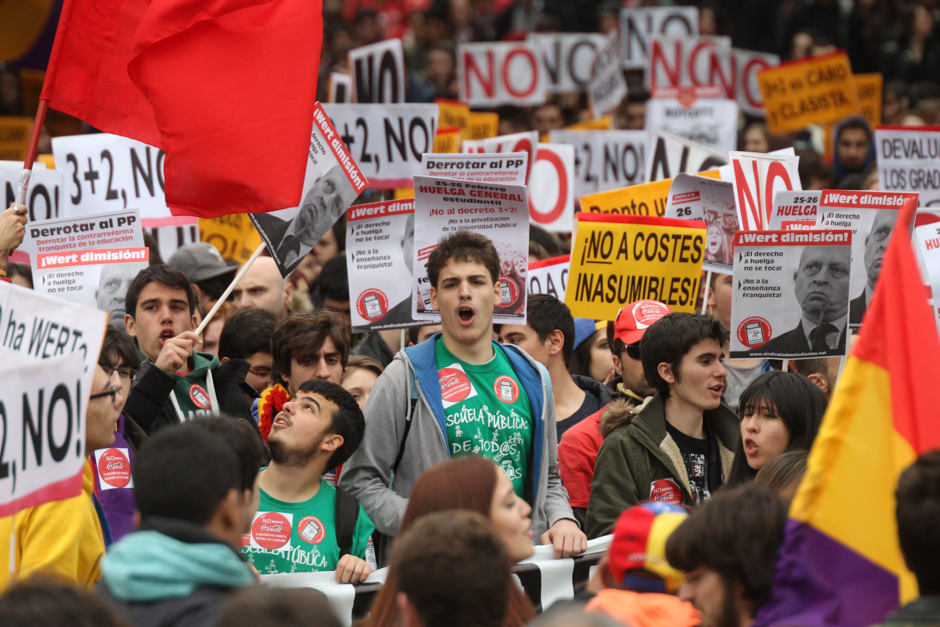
577, 450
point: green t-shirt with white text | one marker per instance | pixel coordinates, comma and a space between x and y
487, 412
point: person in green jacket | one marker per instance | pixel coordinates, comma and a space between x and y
677, 446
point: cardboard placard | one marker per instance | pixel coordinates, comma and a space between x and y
649, 199
482, 125
869, 87
332, 182
386, 141
606, 87
112, 229
549, 276
447, 140
516, 142
812, 90
617, 260
794, 211
788, 284
567, 58
605, 159
498, 168
927, 242
909, 161
493, 74
380, 239
340, 88
871, 216
453, 114
672, 155
709, 123
757, 179
234, 236
499, 212
14, 137
172, 233
378, 72
639, 24
44, 199
551, 188
712, 202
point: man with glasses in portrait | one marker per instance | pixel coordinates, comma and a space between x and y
875, 245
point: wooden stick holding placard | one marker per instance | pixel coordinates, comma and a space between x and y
708, 281
31, 152
228, 290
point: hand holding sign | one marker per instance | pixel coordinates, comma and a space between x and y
12, 230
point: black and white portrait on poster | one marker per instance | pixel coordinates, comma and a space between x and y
710, 201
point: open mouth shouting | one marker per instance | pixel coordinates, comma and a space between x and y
751, 447
165, 335
717, 389
280, 421
466, 314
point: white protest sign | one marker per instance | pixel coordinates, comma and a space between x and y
549, 276
340, 88
871, 216
605, 160
378, 72
106, 172
707, 67
387, 141
712, 202
671, 155
96, 278
791, 294
711, 123
757, 179
332, 182
500, 168
567, 58
492, 74
111, 229
45, 196
172, 232
500, 212
516, 142
607, 86
927, 240
639, 24
551, 188
909, 161
794, 211
380, 239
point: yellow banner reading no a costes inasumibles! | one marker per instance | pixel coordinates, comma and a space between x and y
619, 259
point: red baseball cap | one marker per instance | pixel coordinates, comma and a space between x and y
633, 320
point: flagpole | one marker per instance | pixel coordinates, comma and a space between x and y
228, 290
708, 280
31, 151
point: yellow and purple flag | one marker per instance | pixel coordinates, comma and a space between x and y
840, 562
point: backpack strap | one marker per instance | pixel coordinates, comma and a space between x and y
347, 513
413, 388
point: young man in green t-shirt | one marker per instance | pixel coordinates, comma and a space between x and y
295, 528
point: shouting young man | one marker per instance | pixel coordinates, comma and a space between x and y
461, 393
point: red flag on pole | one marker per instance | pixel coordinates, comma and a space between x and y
226, 88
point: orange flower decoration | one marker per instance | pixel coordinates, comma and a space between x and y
271, 402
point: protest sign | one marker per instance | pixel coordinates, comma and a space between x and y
234, 236
516, 142
871, 216
112, 229
794, 211
106, 172
927, 240
551, 188
44, 197
340, 88
621, 259
500, 168
607, 86
50, 349
387, 141
757, 178
378, 72
603, 123
672, 155
791, 294
648, 199
909, 161
566, 59
549, 276
95, 278
605, 160
812, 90
14, 137
500, 212
482, 125
708, 123
493, 74
453, 113
869, 87
446, 141
707, 67
332, 182
172, 232
639, 24
380, 239
712, 202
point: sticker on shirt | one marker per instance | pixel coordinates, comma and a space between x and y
455, 385
506, 389
666, 490
114, 468
272, 531
199, 396
311, 529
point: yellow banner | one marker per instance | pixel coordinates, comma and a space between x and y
483, 125
403, 193
14, 137
814, 90
233, 235
648, 199
869, 95
447, 140
603, 123
621, 259
453, 113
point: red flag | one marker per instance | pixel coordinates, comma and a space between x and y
230, 86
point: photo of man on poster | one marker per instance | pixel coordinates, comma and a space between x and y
875, 244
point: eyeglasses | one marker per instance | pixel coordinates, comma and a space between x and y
260, 372
124, 373
112, 392
633, 350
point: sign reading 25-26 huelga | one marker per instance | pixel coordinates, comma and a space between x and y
621, 259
